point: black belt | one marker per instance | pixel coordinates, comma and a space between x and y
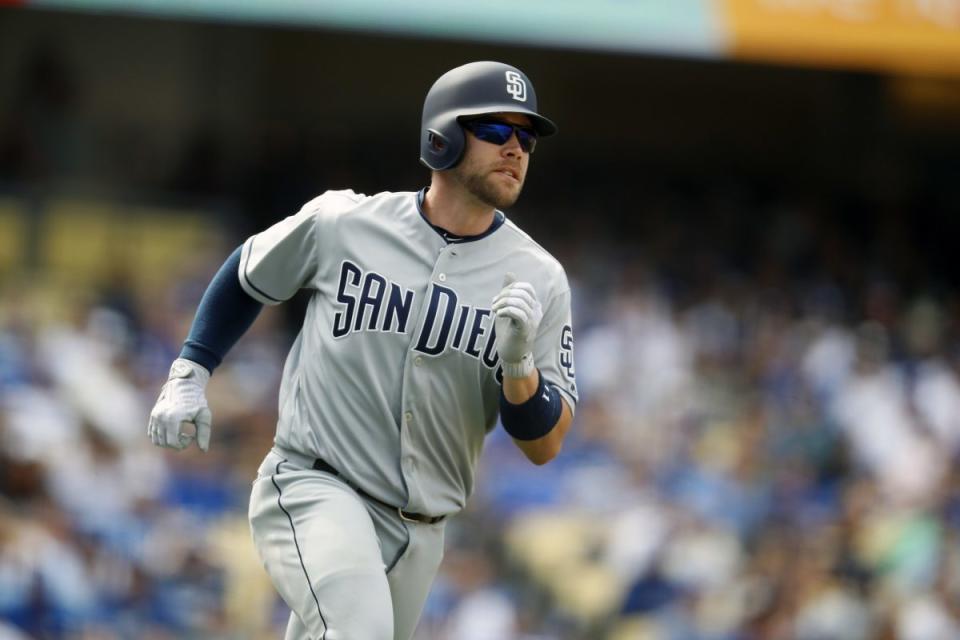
321, 465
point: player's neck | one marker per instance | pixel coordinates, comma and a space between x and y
456, 210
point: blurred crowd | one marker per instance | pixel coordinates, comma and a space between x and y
763, 450
102, 536
766, 446
745, 466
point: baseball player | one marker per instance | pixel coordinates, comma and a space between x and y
431, 315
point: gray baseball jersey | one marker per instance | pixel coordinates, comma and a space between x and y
394, 377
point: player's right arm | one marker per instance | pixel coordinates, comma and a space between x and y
225, 313
268, 268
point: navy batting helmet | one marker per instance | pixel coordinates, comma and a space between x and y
474, 89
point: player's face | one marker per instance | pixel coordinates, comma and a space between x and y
493, 173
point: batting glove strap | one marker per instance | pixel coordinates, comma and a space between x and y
184, 369
534, 418
520, 369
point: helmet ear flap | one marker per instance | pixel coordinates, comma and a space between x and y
442, 151
436, 142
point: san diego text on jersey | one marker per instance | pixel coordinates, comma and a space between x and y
368, 301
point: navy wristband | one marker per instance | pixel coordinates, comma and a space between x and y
534, 418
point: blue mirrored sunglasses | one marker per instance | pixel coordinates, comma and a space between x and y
498, 132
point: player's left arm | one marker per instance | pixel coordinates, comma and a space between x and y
535, 344
545, 448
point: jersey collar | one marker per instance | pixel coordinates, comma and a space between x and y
449, 238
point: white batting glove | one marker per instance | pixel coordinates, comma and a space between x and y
517, 315
181, 400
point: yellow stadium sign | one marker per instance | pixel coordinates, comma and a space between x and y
914, 36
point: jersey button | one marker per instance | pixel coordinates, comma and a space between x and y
418, 361
442, 277
408, 416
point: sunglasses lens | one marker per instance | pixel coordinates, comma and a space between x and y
528, 140
495, 132
500, 132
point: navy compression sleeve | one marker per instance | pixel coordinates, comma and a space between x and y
225, 313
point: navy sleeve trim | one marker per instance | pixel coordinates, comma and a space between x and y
225, 313
250, 282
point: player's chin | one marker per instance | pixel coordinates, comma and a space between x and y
506, 198
506, 189
496, 191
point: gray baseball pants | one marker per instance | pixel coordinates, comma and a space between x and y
348, 568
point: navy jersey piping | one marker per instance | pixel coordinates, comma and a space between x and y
249, 282
450, 238
297, 545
